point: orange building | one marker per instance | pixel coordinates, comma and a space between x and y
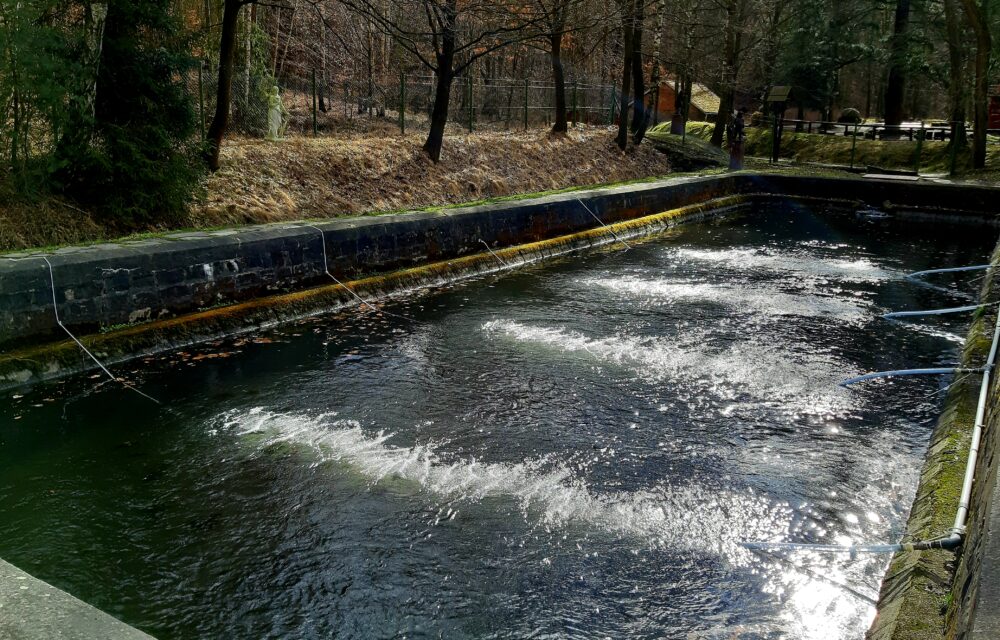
704, 103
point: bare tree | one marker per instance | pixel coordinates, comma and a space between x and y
977, 15
449, 38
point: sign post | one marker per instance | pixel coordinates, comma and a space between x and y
777, 99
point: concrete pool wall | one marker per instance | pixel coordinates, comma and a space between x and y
131, 298
137, 287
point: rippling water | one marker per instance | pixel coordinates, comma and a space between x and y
575, 449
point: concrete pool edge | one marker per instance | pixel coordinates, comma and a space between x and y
58, 359
31, 608
113, 285
934, 594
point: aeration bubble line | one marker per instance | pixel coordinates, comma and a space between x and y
55, 309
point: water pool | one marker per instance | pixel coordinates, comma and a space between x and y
572, 449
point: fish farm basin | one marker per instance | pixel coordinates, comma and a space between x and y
570, 447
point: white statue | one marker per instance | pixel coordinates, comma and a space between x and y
275, 115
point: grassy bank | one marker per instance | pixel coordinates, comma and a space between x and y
935, 156
357, 173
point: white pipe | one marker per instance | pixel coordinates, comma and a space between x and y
934, 312
55, 310
977, 434
615, 235
958, 529
976, 267
908, 372
326, 268
500, 260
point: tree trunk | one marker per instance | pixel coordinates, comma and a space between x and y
247, 60
896, 84
323, 74
442, 95
559, 79
627, 16
82, 100
639, 114
224, 91
654, 76
956, 72
977, 18
288, 39
728, 84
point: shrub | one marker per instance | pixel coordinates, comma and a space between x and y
850, 115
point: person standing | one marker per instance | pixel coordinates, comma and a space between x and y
737, 136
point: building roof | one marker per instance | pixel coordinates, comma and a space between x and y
703, 99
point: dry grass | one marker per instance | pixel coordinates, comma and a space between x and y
356, 172
327, 177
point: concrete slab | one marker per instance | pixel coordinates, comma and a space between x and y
889, 176
34, 610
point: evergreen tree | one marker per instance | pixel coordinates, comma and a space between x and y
137, 163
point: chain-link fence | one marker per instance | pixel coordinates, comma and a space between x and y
314, 106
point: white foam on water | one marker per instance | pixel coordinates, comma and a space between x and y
849, 270
932, 331
761, 301
687, 518
795, 383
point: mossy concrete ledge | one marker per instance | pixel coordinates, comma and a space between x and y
31, 609
936, 594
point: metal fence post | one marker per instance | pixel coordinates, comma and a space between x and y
611, 108
953, 160
854, 143
525, 104
469, 95
575, 116
920, 148
315, 128
402, 103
